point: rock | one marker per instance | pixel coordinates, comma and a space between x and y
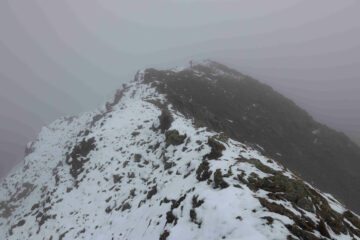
202, 172
165, 120
216, 149
174, 138
218, 180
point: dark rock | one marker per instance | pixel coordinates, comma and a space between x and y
164, 235
193, 215
170, 217
126, 206
323, 230
219, 180
174, 138
151, 193
301, 234
137, 157
117, 178
216, 149
96, 118
165, 120
78, 156
19, 224
134, 134
202, 172
269, 220
108, 209
196, 202
131, 175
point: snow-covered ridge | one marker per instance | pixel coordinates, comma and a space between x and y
138, 169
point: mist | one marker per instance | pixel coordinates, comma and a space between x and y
65, 57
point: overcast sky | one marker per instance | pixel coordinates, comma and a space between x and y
64, 57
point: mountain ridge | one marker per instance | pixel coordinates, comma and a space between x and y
137, 168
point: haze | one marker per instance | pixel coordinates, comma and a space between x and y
65, 57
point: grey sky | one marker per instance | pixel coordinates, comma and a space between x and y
64, 57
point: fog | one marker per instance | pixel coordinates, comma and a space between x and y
65, 57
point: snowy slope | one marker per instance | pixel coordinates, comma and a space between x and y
123, 172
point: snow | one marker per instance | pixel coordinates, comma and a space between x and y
96, 208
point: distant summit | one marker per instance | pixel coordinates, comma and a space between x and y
191, 153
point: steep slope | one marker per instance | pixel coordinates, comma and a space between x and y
139, 169
251, 112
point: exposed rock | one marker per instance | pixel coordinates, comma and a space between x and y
165, 120
117, 178
219, 180
203, 173
19, 224
137, 157
216, 149
78, 156
164, 235
174, 138
152, 192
